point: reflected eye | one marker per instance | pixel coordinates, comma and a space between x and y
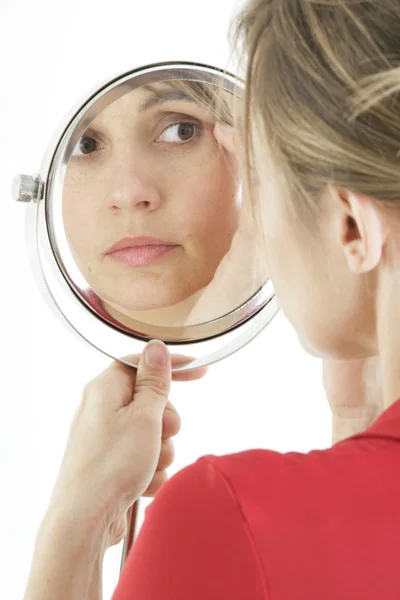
179, 133
86, 145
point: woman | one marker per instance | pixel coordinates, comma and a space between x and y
146, 189
323, 118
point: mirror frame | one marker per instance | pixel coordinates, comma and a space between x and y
215, 339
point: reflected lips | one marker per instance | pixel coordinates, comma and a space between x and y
140, 251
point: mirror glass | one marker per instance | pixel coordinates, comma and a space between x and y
156, 225
141, 223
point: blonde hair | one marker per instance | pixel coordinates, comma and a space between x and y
324, 77
206, 95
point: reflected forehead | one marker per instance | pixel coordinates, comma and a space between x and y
141, 100
156, 97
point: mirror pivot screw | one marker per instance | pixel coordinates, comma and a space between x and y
27, 188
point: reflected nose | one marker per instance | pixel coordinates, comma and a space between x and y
132, 189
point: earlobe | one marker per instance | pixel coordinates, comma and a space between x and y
362, 232
356, 258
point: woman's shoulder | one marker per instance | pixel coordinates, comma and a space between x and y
306, 487
195, 540
359, 456
243, 524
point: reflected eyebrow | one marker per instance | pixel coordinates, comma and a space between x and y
164, 96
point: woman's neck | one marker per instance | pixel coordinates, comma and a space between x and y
388, 334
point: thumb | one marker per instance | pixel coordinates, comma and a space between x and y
153, 379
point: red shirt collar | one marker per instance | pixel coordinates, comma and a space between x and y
386, 425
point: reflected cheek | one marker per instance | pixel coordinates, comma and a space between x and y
79, 223
209, 222
213, 213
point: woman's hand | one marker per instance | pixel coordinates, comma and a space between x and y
118, 448
120, 444
242, 271
354, 392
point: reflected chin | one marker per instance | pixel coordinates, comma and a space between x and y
131, 295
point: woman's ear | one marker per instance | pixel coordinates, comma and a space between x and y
362, 230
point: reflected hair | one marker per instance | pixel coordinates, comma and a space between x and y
208, 96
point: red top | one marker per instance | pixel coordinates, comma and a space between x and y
260, 525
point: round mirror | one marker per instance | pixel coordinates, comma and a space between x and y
140, 224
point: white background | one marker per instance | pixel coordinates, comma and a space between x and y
269, 395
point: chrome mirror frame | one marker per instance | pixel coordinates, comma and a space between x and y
208, 342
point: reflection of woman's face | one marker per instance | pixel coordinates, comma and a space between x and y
150, 168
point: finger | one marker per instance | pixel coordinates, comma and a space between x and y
193, 375
190, 375
112, 389
160, 477
228, 138
177, 360
153, 380
167, 455
225, 135
171, 422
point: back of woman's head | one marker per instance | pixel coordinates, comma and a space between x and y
323, 76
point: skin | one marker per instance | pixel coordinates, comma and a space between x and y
141, 178
118, 450
242, 272
339, 286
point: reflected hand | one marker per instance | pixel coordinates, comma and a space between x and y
119, 444
354, 393
240, 273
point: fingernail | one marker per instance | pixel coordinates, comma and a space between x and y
156, 354
225, 129
225, 135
